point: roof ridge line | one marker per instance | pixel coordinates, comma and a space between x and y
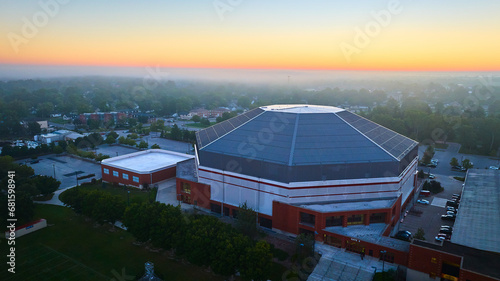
294, 138
218, 138
367, 136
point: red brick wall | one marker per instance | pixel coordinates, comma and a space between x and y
428, 260
199, 193
143, 178
164, 174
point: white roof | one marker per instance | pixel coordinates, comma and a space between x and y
144, 162
302, 108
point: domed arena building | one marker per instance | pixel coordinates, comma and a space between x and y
310, 169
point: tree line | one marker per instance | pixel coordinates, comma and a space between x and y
203, 240
28, 187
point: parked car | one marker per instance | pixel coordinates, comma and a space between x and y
457, 195
450, 209
403, 235
432, 165
444, 235
432, 176
448, 217
458, 168
445, 230
423, 201
450, 213
447, 226
452, 203
439, 238
493, 168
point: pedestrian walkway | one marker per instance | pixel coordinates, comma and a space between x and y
55, 199
340, 265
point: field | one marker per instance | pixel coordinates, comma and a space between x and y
72, 248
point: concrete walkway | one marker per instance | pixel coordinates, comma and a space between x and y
339, 264
55, 199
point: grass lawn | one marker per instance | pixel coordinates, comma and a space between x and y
199, 125
136, 195
71, 248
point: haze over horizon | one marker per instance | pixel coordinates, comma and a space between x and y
115, 37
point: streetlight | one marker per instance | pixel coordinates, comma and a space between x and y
128, 198
383, 260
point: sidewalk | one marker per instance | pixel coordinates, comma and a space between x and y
55, 199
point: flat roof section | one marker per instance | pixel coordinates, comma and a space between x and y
478, 217
341, 206
371, 233
147, 161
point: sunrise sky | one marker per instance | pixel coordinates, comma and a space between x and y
425, 35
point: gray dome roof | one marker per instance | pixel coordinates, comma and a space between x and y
291, 143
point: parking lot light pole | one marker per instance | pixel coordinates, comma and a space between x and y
383, 260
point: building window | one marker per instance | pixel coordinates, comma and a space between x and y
377, 218
265, 222
125, 176
333, 241
355, 219
307, 219
135, 179
215, 208
334, 221
186, 187
106, 171
115, 173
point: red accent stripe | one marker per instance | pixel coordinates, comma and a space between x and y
244, 187
317, 195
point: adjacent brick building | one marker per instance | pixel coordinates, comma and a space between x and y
144, 167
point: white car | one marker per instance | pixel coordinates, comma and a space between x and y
439, 238
493, 168
423, 201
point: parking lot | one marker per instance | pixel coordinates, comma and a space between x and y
428, 217
64, 169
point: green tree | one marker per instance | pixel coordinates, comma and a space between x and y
196, 118
428, 154
176, 133
420, 234
454, 162
247, 221
113, 134
47, 184
133, 136
205, 122
142, 145
467, 164
110, 139
155, 146
58, 149
256, 262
